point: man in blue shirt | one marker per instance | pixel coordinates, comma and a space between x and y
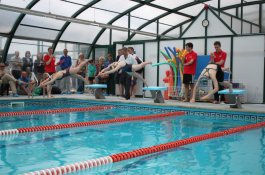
65, 63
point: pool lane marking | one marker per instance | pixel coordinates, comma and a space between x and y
74, 167
53, 111
89, 123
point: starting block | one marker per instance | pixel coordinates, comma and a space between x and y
98, 90
156, 93
235, 92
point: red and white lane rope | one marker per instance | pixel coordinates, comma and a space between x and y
88, 123
140, 152
53, 111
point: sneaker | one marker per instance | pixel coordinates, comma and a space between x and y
15, 95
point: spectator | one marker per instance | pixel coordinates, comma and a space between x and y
49, 61
65, 63
219, 58
91, 71
119, 74
110, 80
100, 66
39, 67
16, 65
7, 78
26, 83
134, 79
190, 63
82, 72
27, 61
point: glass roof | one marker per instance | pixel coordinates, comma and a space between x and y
119, 15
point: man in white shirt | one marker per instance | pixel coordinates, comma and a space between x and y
134, 79
125, 78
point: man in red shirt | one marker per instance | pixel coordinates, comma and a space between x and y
218, 57
49, 61
190, 63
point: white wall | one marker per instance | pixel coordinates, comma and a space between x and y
149, 71
248, 66
196, 29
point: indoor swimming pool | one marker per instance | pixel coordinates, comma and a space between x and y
21, 153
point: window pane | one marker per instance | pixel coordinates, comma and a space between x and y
115, 5
152, 28
122, 22
250, 13
163, 28
2, 45
101, 52
22, 46
228, 3
80, 33
16, 3
174, 33
147, 12
84, 2
173, 19
119, 36
142, 37
104, 38
8, 22
137, 22
56, 7
33, 32
171, 4
93, 14
193, 10
42, 22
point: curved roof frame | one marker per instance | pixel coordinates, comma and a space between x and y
14, 28
68, 23
175, 10
220, 9
244, 4
114, 19
11, 34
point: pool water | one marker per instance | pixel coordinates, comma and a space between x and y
242, 153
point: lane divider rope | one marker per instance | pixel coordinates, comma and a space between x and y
88, 123
53, 111
141, 152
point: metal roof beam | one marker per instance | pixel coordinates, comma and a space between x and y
14, 29
167, 13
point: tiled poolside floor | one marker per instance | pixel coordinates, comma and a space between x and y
260, 108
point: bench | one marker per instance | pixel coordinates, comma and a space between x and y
98, 90
235, 92
156, 93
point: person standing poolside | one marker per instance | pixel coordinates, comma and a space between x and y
134, 79
82, 72
119, 74
27, 61
65, 63
190, 63
49, 60
39, 67
218, 57
111, 78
